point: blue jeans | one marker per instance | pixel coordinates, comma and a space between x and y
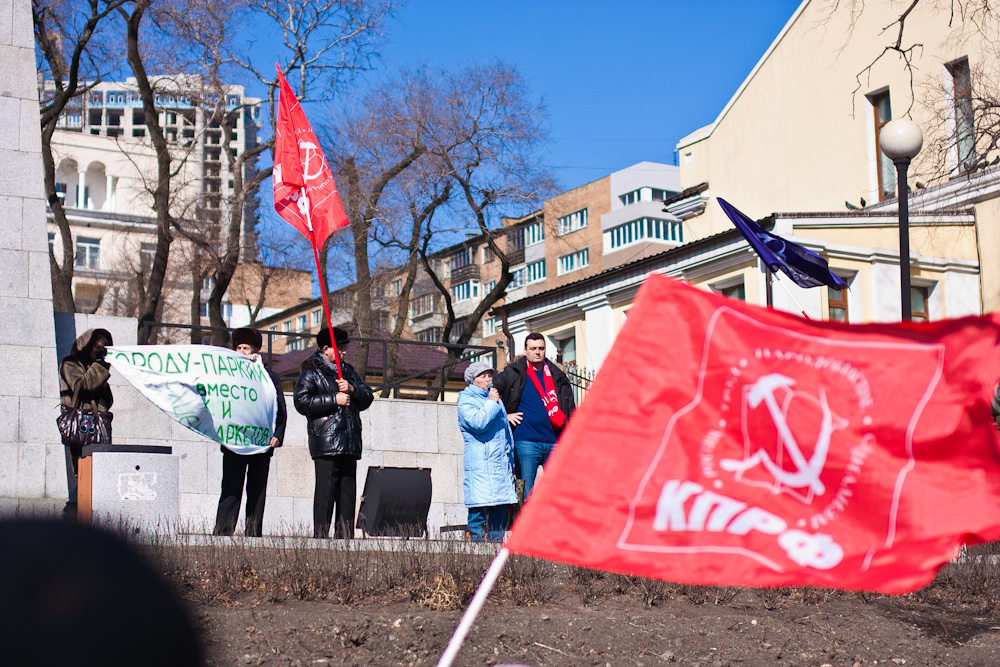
530, 455
487, 524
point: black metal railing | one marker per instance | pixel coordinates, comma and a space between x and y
580, 379
420, 375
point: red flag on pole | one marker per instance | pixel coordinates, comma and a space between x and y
304, 191
730, 445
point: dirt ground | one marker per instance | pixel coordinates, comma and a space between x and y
659, 625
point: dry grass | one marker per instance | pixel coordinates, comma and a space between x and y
245, 572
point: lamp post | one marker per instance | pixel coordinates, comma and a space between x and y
901, 140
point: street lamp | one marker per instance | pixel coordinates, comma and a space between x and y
901, 140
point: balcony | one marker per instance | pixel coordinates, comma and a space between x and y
467, 272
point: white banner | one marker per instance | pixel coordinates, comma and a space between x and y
211, 390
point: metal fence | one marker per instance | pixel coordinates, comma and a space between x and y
422, 370
580, 379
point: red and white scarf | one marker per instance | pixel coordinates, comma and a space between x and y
549, 397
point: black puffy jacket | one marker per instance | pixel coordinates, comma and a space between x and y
332, 429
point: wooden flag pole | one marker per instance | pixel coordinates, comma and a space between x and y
319, 275
469, 617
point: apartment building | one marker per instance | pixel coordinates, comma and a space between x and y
104, 162
578, 233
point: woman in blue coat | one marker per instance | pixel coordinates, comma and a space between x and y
489, 455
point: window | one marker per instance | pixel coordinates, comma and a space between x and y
286, 326
630, 197
488, 287
573, 261
52, 243
919, 296
421, 305
535, 271
517, 278
965, 138
461, 258
488, 254
61, 193
296, 345
662, 195
643, 229
465, 291
88, 253
317, 317
515, 238
566, 350
83, 196
203, 309
572, 222
432, 335
886, 171
733, 292
147, 252
838, 304
300, 323
490, 326
396, 287
534, 233
208, 283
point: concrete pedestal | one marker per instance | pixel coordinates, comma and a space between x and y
131, 486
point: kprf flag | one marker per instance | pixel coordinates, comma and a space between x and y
727, 444
803, 266
302, 179
211, 390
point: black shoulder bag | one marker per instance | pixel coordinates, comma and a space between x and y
81, 426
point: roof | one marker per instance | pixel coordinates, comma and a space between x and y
414, 358
687, 192
651, 260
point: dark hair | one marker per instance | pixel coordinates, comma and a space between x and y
534, 335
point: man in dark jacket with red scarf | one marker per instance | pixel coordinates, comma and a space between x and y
333, 407
539, 401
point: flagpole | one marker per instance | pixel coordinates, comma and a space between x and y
788, 292
322, 284
469, 617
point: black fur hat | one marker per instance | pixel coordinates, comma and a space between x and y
339, 335
248, 336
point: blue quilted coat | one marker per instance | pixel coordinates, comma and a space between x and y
489, 450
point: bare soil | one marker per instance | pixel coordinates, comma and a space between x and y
559, 616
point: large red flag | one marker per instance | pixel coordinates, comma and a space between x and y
727, 444
299, 165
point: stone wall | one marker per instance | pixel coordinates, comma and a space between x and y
31, 458
397, 433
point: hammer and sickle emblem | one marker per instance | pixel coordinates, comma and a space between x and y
807, 472
311, 151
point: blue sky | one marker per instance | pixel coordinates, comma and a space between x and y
621, 82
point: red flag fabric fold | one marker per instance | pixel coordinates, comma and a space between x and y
726, 444
303, 182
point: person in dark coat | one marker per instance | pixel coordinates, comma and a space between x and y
539, 401
333, 408
253, 467
87, 368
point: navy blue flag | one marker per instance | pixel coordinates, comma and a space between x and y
804, 267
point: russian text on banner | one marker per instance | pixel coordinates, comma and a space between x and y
210, 390
727, 444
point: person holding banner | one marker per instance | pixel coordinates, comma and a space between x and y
539, 399
332, 404
253, 467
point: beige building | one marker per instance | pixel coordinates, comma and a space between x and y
103, 165
796, 148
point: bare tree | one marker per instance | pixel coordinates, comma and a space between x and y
73, 62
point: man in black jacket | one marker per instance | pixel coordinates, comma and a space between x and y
539, 401
254, 467
333, 408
